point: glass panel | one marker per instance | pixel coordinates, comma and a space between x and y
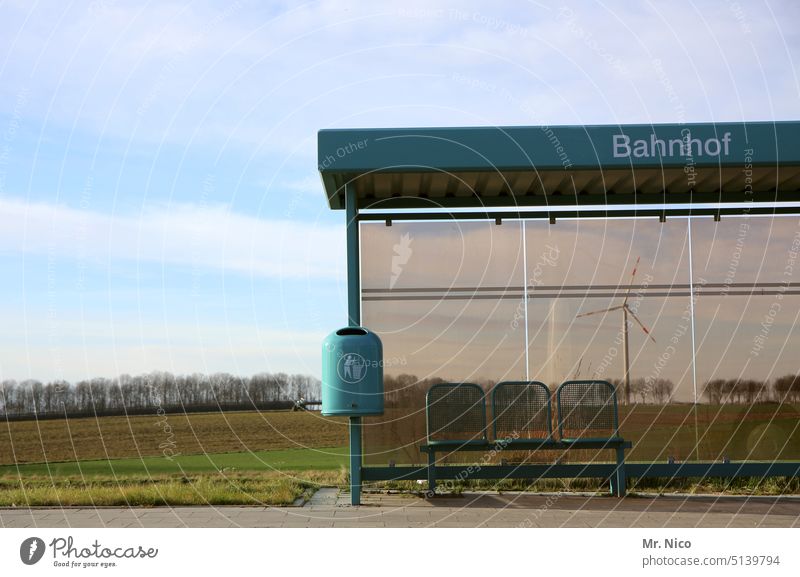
446, 300
746, 323
579, 322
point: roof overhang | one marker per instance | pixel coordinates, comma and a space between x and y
669, 165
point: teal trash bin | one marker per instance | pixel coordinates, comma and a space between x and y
352, 373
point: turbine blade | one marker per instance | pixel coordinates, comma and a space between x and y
641, 324
616, 308
630, 284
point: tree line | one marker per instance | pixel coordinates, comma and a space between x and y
643, 391
154, 393
408, 390
746, 391
164, 392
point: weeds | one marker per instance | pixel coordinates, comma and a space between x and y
274, 489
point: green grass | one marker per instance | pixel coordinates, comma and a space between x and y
715, 485
278, 477
102, 438
280, 460
274, 478
274, 488
90, 462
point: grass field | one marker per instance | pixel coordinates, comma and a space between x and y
246, 458
270, 488
683, 431
144, 436
278, 477
323, 459
760, 432
275, 458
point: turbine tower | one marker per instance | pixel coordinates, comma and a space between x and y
626, 310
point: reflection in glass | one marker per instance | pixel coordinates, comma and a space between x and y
747, 337
446, 300
597, 287
477, 302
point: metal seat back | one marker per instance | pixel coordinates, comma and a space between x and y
521, 409
587, 410
456, 412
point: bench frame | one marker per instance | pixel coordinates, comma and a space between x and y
614, 472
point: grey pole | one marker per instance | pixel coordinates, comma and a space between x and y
625, 355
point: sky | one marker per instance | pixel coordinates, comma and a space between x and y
160, 206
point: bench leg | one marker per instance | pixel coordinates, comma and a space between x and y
431, 473
619, 476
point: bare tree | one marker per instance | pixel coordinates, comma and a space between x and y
662, 390
152, 392
787, 388
714, 391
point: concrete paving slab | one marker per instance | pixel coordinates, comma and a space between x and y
470, 510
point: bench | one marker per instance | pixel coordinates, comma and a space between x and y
587, 418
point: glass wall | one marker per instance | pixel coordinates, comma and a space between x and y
598, 286
480, 302
747, 337
447, 301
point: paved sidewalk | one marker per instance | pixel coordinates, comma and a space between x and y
329, 509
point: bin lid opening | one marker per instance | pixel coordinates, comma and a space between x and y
348, 331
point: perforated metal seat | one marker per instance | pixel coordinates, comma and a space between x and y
521, 409
456, 414
587, 410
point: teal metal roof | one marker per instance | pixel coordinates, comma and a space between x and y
539, 166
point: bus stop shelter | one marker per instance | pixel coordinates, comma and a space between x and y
626, 177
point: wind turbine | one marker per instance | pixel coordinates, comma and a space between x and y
626, 310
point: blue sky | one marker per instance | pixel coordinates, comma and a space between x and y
159, 202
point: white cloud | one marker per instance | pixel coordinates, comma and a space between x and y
264, 77
310, 185
179, 234
270, 77
92, 347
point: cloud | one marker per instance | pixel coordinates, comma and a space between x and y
90, 347
310, 185
205, 237
246, 80
268, 78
